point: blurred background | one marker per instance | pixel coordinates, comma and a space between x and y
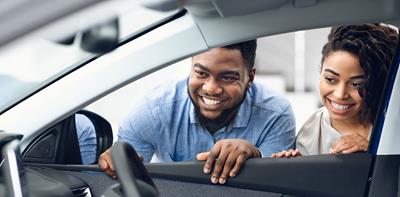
287, 63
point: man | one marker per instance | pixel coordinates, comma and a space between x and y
218, 114
86, 134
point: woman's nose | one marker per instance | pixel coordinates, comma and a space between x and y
340, 91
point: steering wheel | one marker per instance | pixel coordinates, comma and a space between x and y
132, 174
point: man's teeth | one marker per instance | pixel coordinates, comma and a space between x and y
340, 107
211, 101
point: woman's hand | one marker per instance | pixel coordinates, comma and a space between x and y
287, 153
349, 144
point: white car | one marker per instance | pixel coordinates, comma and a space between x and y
58, 57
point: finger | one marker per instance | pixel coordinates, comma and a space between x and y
353, 149
296, 153
335, 148
109, 161
361, 145
202, 156
280, 154
230, 161
213, 154
106, 168
241, 159
111, 173
288, 153
103, 164
342, 147
219, 165
106, 164
273, 155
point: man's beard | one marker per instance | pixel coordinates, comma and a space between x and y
213, 125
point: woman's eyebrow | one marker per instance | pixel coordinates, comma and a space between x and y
331, 71
337, 74
357, 77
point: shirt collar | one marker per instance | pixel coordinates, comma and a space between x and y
242, 117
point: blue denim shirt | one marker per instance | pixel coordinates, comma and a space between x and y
86, 134
165, 124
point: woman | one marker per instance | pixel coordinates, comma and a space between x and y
354, 67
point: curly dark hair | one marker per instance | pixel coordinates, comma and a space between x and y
248, 51
374, 45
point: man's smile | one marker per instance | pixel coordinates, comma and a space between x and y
210, 103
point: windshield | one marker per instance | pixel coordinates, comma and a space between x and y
37, 59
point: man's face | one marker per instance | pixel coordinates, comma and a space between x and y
218, 81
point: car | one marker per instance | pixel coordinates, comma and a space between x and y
58, 58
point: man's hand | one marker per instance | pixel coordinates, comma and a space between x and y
349, 144
227, 156
287, 153
106, 164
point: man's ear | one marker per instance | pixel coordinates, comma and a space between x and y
252, 74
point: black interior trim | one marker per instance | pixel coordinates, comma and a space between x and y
59, 145
67, 167
386, 176
319, 175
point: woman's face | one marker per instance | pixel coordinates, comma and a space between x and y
341, 78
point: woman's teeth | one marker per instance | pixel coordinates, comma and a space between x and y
339, 106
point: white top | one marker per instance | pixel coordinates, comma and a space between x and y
317, 135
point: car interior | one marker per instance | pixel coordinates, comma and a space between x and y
53, 159
49, 162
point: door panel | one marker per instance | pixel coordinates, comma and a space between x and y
320, 175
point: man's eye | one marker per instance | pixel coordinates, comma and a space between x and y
229, 78
201, 73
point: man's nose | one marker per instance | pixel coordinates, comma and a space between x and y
212, 87
341, 91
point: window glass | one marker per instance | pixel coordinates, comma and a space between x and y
37, 59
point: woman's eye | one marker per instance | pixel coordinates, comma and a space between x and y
356, 85
329, 79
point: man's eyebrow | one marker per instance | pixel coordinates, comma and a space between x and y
201, 66
230, 72
227, 72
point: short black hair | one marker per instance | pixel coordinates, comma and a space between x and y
374, 45
248, 51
